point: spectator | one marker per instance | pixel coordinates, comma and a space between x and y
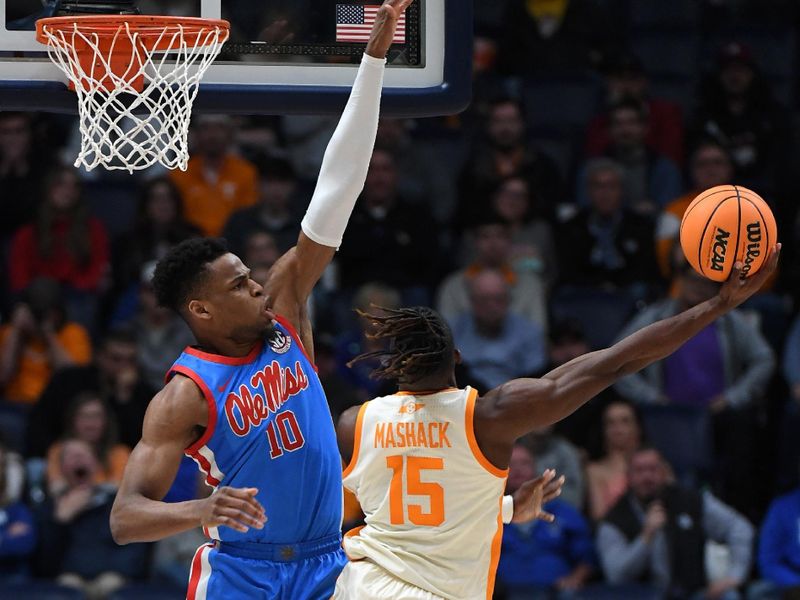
625, 77
567, 342
789, 444
503, 152
20, 173
737, 108
539, 560
161, 335
650, 179
66, 244
275, 213
607, 477
495, 343
114, 375
17, 527
710, 165
606, 244
424, 177
260, 251
340, 393
559, 36
38, 342
356, 341
779, 544
554, 452
216, 182
791, 360
726, 366
76, 538
89, 419
160, 224
532, 236
721, 373
492, 242
657, 533
389, 240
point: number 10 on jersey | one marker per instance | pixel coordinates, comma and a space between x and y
285, 427
407, 471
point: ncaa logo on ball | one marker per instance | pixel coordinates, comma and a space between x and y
280, 343
719, 249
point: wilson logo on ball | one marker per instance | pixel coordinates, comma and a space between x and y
753, 245
719, 250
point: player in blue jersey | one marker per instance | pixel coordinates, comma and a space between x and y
246, 403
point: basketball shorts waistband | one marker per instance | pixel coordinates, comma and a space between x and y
281, 552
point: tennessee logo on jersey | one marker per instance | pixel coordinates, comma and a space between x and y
269, 389
410, 408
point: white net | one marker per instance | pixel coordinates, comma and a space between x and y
134, 109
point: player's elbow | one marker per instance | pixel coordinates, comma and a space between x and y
120, 531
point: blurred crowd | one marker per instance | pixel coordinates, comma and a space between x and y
542, 223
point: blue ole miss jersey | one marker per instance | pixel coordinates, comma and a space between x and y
269, 427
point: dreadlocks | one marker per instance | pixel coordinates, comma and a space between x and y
421, 344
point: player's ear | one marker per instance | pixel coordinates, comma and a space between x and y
457, 356
198, 310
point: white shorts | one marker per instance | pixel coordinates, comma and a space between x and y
364, 580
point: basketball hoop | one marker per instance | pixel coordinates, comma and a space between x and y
136, 78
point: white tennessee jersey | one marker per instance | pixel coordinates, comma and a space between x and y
432, 501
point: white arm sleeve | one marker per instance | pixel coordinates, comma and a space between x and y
344, 168
508, 509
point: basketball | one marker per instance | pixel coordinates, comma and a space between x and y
726, 224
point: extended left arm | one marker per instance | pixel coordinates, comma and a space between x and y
344, 168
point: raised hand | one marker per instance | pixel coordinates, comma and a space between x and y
533, 494
738, 289
233, 507
385, 26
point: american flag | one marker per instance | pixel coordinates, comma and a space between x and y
354, 23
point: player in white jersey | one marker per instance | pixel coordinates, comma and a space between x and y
429, 464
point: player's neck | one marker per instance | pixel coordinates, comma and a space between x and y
227, 348
429, 384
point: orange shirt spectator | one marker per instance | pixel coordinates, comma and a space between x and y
35, 366
37, 341
111, 469
216, 182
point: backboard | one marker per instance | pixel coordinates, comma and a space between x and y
283, 56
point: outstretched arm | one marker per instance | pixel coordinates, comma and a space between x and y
346, 161
170, 425
520, 406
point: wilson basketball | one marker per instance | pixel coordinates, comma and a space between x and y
724, 225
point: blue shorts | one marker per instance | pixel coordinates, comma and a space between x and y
254, 571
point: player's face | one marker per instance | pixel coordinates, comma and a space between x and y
237, 304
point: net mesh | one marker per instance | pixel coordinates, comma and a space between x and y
135, 89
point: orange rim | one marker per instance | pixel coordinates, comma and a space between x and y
147, 27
